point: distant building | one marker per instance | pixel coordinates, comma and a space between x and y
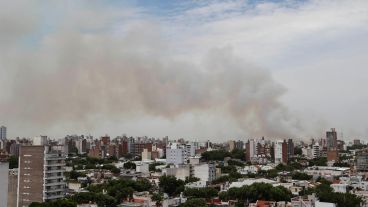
327, 172
231, 145
281, 152
362, 161
41, 174
180, 172
290, 149
316, 150
81, 145
205, 172
40, 140
138, 148
333, 155
2, 132
239, 145
331, 137
332, 148
177, 153
146, 155
105, 140
251, 150
142, 167
356, 142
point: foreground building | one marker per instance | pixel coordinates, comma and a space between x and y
41, 174
4, 168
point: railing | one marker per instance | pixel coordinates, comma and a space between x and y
53, 177
55, 183
55, 190
55, 171
54, 164
49, 197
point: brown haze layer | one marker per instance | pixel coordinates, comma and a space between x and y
73, 76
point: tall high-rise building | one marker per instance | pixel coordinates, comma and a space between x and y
362, 161
250, 150
177, 153
331, 137
2, 132
231, 144
316, 150
41, 174
281, 152
239, 145
290, 149
332, 150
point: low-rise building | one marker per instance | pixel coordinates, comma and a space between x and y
326, 172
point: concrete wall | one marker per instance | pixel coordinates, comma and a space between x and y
4, 171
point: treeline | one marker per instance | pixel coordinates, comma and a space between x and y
249, 193
326, 194
256, 191
219, 155
117, 192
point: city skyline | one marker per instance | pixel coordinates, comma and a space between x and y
198, 69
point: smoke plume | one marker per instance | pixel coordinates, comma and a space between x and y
77, 76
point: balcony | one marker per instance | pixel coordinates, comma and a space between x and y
51, 197
54, 164
55, 190
55, 171
52, 177
55, 183
54, 157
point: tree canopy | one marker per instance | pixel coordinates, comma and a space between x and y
171, 185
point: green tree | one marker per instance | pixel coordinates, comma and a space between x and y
57, 203
238, 154
206, 193
129, 165
218, 155
171, 185
191, 179
301, 176
236, 163
73, 175
152, 166
258, 191
322, 161
13, 162
100, 199
195, 202
157, 198
298, 151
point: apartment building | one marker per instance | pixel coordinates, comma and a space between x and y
177, 153
280, 150
206, 172
41, 174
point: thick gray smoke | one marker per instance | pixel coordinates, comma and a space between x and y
74, 76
